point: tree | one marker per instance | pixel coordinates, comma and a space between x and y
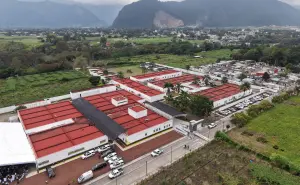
242, 76
144, 70
105, 72
182, 101
196, 80
206, 79
169, 98
266, 76
103, 41
168, 86
80, 62
245, 86
120, 74
94, 80
178, 87
107, 80
224, 80
188, 67
129, 71
201, 105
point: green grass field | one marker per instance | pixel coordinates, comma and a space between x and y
28, 41
136, 70
17, 90
280, 126
181, 61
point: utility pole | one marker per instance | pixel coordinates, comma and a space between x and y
146, 168
171, 154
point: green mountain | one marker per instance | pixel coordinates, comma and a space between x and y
15, 14
209, 13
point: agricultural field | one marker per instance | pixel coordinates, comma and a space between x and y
181, 61
275, 131
223, 164
29, 41
17, 90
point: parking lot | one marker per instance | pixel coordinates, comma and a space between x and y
244, 103
67, 174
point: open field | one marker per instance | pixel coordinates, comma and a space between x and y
181, 61
29, 41
220, 163
279, 126
17, 90
136, 70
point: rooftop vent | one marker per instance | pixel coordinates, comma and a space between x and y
137, 111
119, 100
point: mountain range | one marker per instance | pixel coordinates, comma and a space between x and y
51, 14
208, 13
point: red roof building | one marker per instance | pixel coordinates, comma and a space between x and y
156, 75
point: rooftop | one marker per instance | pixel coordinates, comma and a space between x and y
180, 79
220, 92
155, 74
137, 108
40, 116
119, 98
138, 87
120, 114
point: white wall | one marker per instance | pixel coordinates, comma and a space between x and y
161, 77
64, 154
91, 92
151, 85
146, 133
231, 98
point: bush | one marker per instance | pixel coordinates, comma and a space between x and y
240, 119
280, 98
20, 107
247, 133
276, 147
261, 140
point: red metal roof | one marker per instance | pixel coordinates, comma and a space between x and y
180, 79
137, 108
138, 87
155, 74
220, 92
120, 114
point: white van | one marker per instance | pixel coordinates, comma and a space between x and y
86, 176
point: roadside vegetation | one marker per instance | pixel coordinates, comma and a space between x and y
220, 163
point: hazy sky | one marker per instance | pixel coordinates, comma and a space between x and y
294, 2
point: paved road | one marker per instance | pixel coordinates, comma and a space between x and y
136, 170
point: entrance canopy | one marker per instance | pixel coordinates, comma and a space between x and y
14, 145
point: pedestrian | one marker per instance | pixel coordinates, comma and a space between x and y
46, 182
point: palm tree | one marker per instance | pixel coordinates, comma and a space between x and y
206, 79
120, 74
169, 86
144, 70
245, 86
178, 87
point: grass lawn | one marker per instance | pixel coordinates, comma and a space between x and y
228, 166
136, 70
280, 126
17, 90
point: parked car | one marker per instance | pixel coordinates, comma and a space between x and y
115, 173
50, 172
105, 153
104, 148
109, 156
117, 164
212, 125
99, 166
114, 159
156, 152
85, 177
88, 154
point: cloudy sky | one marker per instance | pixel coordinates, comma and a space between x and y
293, 2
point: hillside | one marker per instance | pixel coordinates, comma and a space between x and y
15, 14
210, 13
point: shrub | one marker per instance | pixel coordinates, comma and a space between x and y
240, 119
276, 147
261, 140
20, 108
247, 133
280, 98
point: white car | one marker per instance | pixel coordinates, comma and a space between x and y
109, 156
88, 154
115, 173
212, 125
114, 159
103, 148
156, 152
117, 164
